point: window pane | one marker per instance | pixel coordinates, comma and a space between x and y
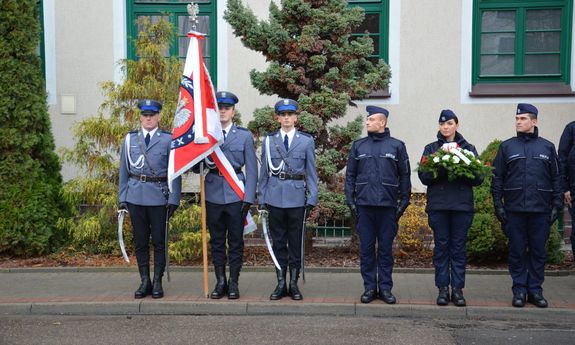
494, 21
497, 65
183, 43
202, 26
543, 20
497, 43
543, 42
375, 44
153, 20
370, 24
542, 64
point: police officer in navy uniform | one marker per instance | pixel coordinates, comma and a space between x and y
225, 211
567, 164
450, 214
287, 189
527, 196
144, 193
377, 190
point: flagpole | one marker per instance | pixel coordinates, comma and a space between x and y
204, 232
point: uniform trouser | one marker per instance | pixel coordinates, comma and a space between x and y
528, 233
572, 237
376, 224
449, 254
225, 223
286, 230
148, 220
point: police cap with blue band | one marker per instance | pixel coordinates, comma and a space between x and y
372, 110
226, 97
524, 108
286, 105
446, 115
149, 107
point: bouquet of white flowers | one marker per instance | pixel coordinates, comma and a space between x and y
457, 162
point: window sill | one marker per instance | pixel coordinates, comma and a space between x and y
522, 89
384, 93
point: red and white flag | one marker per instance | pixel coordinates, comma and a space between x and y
197, 129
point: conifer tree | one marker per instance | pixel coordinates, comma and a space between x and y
98, 138
30, 177
313, 59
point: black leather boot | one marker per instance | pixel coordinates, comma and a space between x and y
443, 296
221, 285
293, 289
457, 297
146, 284
281, 288
157, 290
233, 289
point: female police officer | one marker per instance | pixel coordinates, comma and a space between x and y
450, 211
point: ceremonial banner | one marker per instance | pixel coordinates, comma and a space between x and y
197, 129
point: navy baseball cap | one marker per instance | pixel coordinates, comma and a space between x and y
286, 105
372, 110
446, 115
523, 108
149, 107
226, 97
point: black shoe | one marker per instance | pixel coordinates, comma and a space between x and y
233, 289
443, 296
537, 299
457, 298
281, 289
518, 300
293, 289
221, 287
157, 290
145, 288
387, 296
368, 296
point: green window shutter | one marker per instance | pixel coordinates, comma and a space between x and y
376, 23
522, 41
177, 14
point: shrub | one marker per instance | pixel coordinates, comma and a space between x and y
553, 246
414, 233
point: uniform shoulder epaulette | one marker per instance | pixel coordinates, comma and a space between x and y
165, 132
272, 133
242, 128
360, 140
134, 131
305, 134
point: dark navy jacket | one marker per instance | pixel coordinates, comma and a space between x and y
378, 172
444, 195
567, 157
526, 176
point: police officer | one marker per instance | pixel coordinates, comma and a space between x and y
144, 193
225, 211
450, 213
377, 190
287, 189
567, 160
527, 196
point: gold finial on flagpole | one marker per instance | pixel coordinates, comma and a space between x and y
193, 10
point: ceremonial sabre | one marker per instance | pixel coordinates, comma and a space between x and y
263, 214
121, 215
303, 246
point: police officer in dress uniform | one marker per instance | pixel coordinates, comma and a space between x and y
450, 214
567, 160
287, 189
377, 190
144, 193
527, 196
225, 211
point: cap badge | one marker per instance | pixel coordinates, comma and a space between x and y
286, 102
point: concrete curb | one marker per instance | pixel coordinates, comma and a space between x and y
555, 273
261, 308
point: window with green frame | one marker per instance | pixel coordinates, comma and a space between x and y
376, 23
526, 41
176, 12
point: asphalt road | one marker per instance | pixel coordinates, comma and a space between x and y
257, 330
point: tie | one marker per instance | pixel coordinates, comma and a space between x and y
147, 140
286, 142
224, 131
